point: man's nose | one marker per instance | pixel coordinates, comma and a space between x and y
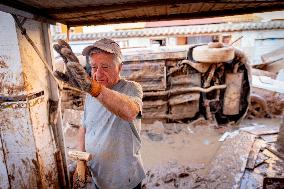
99, 71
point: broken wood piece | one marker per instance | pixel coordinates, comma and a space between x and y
261, 129
259, 72
227, 168
272, 148
269, 138
257, 145
79, 155
260, 159
273, 56
274, 164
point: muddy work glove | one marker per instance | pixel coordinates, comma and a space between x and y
75, 74
77, 77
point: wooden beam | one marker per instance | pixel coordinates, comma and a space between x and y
153, 3
24, 10
193, 15
227, 168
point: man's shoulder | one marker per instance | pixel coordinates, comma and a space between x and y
132, 83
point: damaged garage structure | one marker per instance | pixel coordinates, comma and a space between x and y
32, 146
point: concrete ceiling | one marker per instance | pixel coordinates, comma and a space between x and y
92, 12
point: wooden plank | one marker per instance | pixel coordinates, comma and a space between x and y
19, 147
45, 143
227, 168
261, 129
275, 66
269, 138
36, 79
257, 145
18, 144
259, 72
273, 149
273, 56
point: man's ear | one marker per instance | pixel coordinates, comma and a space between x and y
120, 67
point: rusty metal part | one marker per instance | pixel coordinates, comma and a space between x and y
197, 89
209, 115
200, 67
257, 108
207, 102
236, 67
183, 90
210, 75
232, 97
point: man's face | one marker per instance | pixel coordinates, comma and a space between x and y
105, 69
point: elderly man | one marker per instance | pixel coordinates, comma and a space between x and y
111, 124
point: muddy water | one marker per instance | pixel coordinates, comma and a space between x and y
187, 145
190, 145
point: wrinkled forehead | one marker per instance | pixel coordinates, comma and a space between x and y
102, 58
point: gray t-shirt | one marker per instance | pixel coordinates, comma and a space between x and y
114, 142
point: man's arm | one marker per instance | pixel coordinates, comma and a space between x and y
81, 139
119, 104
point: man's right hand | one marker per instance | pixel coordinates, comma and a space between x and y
77, 77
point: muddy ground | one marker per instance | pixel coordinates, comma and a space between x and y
177, 155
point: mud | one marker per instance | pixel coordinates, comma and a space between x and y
177, 155
181, 158
3, 60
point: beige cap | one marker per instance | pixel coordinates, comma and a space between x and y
104, 44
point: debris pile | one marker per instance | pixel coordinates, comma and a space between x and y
267, 99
